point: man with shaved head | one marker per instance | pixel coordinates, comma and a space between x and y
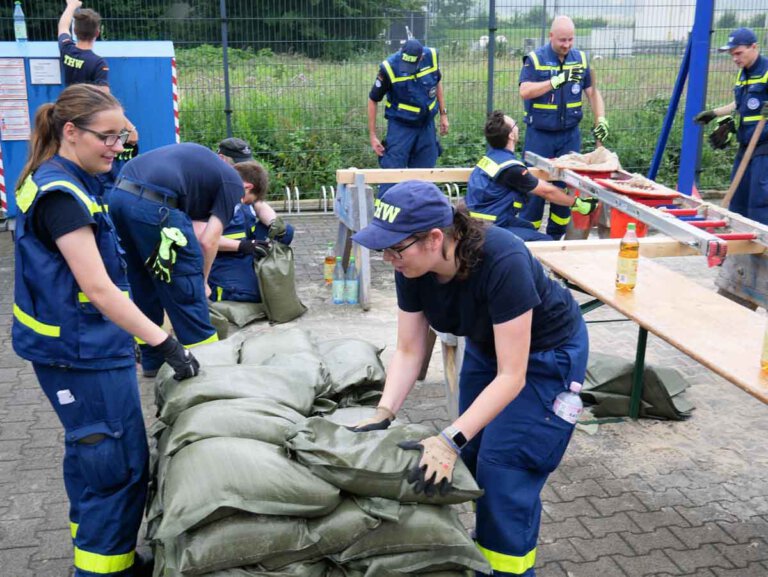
552, 81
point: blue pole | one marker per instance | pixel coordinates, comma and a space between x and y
696, 99
669, 119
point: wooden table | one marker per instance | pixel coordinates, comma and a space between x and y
720, 334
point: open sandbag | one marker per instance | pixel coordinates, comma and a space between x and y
352, 363
293, 387
266, 540
238, 313
214, 478
261, 419
371, 464
257, 349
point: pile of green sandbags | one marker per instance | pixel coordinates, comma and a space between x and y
250, 478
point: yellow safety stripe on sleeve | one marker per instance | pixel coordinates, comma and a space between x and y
545, 106
574, 104
212, 339
73, 529
536, 224
26, 193
82, 298
234, 235
95, 563
219, 293
34, 324
509, 563
751, 118
92, 207
481, 216
517, 204
559, 219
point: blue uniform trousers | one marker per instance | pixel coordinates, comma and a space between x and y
527, 233
550, 145
409, 146
751, 196
513, 456
105, 463
138, 222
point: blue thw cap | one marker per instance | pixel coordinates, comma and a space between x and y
411, 55
739, 37
407, 208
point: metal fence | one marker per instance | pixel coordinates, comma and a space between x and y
294, 77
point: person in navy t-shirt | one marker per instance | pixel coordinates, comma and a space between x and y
526, 342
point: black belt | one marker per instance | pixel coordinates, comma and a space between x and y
148, 193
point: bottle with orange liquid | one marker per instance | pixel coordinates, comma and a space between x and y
764, 356
328, 264
629, 253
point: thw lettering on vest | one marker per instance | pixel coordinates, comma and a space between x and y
384, 211
73, 62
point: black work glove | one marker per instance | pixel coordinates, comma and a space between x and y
434, 471
258, 249
723, 133
705, 117
381, 420
277, 229
183, 363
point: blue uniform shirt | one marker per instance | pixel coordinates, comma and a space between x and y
508, 283
81, 66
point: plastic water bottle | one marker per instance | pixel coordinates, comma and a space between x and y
337, 289
328, 264
19, 24
629, 252
568, 405
351, 283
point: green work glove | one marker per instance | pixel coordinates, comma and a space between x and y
585, 206
601, 129
723, 133
277, 229
574, 74
705, 117
161, 261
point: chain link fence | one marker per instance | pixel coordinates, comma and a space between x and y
297, 74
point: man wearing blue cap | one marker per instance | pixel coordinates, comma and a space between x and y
411, 81
750, 92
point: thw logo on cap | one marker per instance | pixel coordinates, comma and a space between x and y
384, 211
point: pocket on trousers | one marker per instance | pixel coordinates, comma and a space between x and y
101, 454
186, 289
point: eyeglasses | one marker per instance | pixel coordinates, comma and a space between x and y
397, 252
109, 139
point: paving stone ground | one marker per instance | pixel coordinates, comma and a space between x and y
646, 498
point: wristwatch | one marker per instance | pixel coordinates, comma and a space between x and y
444, 111
456, 436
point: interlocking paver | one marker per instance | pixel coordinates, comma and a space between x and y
701, 557
596, 547
661, 538
693, 537
644, 565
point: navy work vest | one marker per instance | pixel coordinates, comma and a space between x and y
557, 109
54, 323
750, 91
412, 98
486, 198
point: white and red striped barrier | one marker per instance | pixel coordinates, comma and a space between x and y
3, 197
175, 83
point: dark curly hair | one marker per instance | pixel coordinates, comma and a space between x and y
497, 130
469, 234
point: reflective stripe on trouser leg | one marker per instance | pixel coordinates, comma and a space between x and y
105, 433
559, 217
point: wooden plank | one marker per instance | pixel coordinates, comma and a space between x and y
395, 175
650, 247
718, 333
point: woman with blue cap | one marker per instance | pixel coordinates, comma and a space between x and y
526, 342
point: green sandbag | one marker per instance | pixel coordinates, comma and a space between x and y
257, 349
238, 313
261, 419
371, 464
352, 363
297, 570
269, 541
421, 563
293, 387
306, 360
217, 477
219, 322
277, 283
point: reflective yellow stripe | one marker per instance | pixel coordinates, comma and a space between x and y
408, 107
536, 224
481, 216
26, 194
559, 219
574, 104
432, 68
235, 235
545, 106
96, 563
390, 72
509, 563
538, 66
517, 204
82, 298
212, 339
751, 118
491, 168
92, 207
139, 341
34, 324
432, 105
759, 80
219, 293
73, 529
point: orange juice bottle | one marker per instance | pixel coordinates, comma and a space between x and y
764, 356
328, 264
629, 252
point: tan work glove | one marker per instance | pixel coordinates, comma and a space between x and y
381, 420
434, 471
